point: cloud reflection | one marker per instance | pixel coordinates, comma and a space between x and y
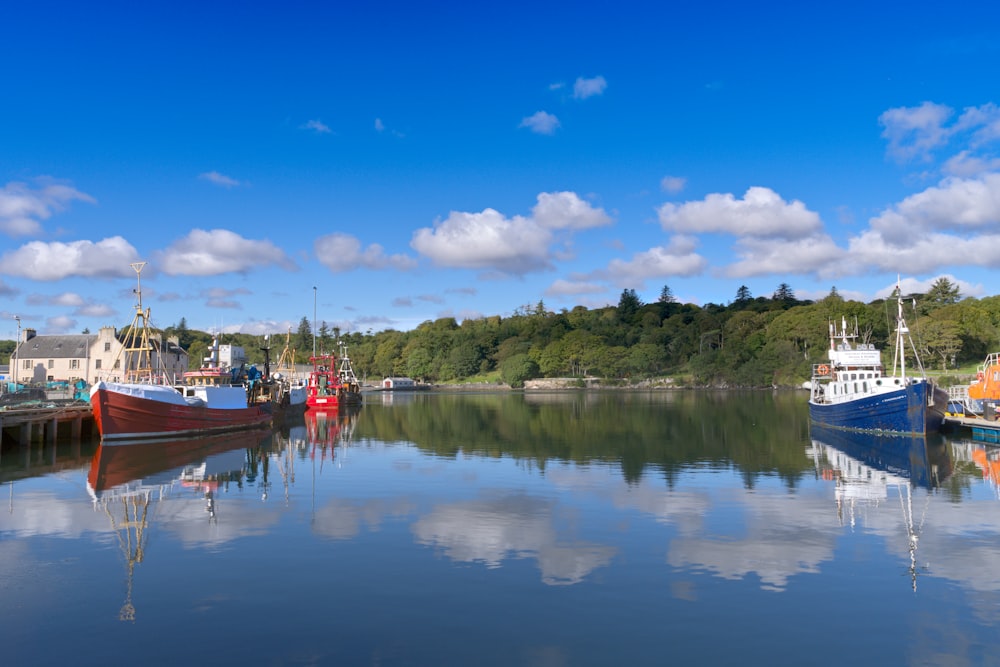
511, 526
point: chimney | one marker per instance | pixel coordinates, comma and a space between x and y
28, 334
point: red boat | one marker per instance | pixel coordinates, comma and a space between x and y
132, 411
330, 387
211, 400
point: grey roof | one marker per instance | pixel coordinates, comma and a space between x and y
68, 346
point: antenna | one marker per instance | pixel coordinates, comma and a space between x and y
138, 267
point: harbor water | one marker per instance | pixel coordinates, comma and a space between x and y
548, 529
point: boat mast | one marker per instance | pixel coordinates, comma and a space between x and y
138, 349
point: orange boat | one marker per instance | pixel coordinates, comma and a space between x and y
987, 383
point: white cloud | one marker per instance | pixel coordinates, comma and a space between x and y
219, 179
59, 324
540, 122
584, 88
218, 297
676, 259
210, 253
761, 212
953, 204
342, 252
913, 132
965, 164
94, 310
517, 245
67, 299
565, 210
23, 207
983, 121
54, 261
430, 298
316, 126
759, 257
7, 290
673, 184
924, 254
573, 288
379, 126
486, 240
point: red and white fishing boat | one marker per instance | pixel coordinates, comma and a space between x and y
329, 386
146, 406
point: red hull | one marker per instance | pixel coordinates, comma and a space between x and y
119, 416
322, 402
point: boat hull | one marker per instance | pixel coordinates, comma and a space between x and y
914, 409
121, 416
322, 402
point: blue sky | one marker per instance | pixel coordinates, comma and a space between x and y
416, 162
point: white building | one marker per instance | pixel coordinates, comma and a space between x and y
398, 383
90, 357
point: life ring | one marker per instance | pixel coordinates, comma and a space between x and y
823, 369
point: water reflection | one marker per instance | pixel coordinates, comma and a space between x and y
128, 482
519, 521
870, 470
510, 526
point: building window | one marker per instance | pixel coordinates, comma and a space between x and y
74, 364
52, 363
107, 347
97, 364
26, 365
118, 364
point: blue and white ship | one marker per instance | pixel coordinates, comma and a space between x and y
853, 391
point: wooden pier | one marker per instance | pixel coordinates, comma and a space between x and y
46, 423
985, 430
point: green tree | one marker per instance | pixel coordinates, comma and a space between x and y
325, 342
942, 293
628, 305
304, 337
938, 339
784, 294
517, 369
419, 363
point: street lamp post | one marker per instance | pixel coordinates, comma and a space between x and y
17, 344
314, 320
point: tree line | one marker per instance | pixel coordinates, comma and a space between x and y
749, 342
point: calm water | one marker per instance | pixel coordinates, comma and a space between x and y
496, 529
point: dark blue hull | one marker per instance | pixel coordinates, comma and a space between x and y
908, 410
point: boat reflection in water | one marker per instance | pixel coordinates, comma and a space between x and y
128, 480
326, 429
870, 469
986, 457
